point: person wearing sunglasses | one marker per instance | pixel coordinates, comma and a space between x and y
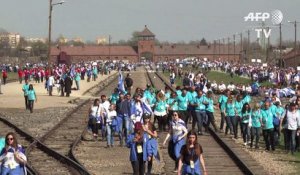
177, 133
12, 156
191, 156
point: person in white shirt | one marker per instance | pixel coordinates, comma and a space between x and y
231, 87
105, 104
222, 87
291, 122
248, 89
110, 124
50, 84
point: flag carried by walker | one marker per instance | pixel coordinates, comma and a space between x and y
121, 83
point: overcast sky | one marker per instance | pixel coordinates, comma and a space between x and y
170, 20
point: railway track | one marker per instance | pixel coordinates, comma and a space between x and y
59, 141
220, 154
94, 155
26, 140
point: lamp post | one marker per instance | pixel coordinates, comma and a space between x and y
295, 44
50, 25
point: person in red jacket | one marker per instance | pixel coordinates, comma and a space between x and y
4, 76
20, 74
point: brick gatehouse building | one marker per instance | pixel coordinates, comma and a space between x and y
146, 49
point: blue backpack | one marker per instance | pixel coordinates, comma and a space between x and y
276, 120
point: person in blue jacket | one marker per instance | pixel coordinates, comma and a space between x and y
137, 142
191, 157
152, 144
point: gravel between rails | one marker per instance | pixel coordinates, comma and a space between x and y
37, 123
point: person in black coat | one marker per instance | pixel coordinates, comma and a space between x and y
62, 87
68, 85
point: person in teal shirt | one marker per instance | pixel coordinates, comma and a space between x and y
268, 127
172, 105
245, 117
160, 111
167, 92
246, 98
199, 110
279, 111
209, 102
31, 97
191, 109
182, 105
256, 121
114, 97
222, 102
238, 104
77, 79
230, 117
25, 90
95, 73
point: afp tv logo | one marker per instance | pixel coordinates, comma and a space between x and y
275, 16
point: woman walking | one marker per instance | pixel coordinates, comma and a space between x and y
245, 119
137, 142
31, 97
191, 157
177, 133
12, 156
256, 121
152, 144
95, 117
160, 111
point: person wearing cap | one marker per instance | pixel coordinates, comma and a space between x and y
152, 143
177, 133
137, 142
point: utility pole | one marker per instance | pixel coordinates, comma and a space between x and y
234, 47
248, 45
241, 49
280, 44
268, 45
215, 49
228, 48
49, 32
219, 48
109, 40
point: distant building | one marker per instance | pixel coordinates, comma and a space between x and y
147, 49
292, 58
34, 40
78, 39
12, 39
101, 40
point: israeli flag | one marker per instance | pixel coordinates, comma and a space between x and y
121, 83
